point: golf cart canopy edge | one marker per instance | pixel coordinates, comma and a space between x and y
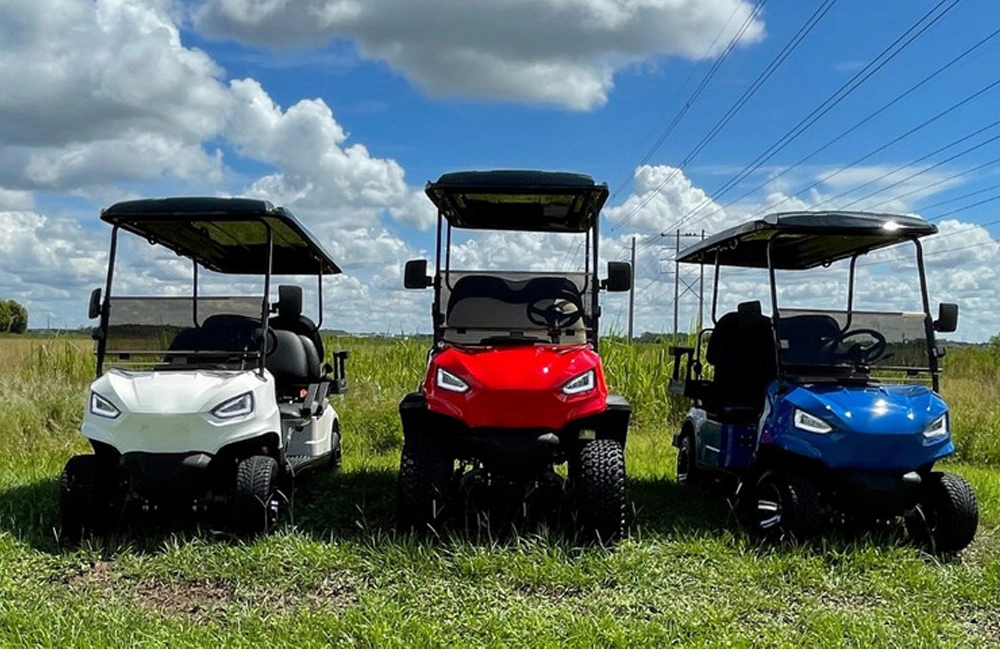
225, 235
537, 201
803, 240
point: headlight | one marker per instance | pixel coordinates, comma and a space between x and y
236, 407
810, 423
580, 384
938, 427
102, 407
448, 381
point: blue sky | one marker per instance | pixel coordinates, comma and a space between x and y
342, 110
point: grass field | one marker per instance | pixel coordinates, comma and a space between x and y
337, 574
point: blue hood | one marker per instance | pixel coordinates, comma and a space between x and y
874, 427
882, 410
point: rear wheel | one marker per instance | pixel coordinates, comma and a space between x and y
85, 497
688, 473
947, 515
336, 459
598, 479
255, 495
423, 487
787, 505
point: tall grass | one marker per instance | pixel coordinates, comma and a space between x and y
381, 371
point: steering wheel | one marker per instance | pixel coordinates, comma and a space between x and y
559, 314
857, 353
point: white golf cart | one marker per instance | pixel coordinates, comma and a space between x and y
206, 401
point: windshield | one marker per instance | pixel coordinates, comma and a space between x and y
486, 307
817, 340
216, 331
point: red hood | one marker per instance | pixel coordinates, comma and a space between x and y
517, 386
529, 367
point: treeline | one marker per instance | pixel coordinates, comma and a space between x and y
13, 317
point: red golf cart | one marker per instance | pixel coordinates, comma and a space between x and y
514, 384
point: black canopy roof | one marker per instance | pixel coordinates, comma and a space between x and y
519, 200
225, 235
803, 240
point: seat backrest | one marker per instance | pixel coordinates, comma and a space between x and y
290, 317
293, 360
222, 332
802, 337
741, 349
484, 300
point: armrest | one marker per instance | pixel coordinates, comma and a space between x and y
679, 352
315, 399
338, 381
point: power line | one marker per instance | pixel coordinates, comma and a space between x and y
751, 90
910, 164
858, 125
928, 186
694, 96
958, 198
884, 57
969, 207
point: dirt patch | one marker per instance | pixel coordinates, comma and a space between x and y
209, 598
554, 594
985, 623
215, 598
193, 598
983, 547
97, 573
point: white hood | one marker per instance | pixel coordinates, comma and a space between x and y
171, 411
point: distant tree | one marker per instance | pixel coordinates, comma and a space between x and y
18, 317
995, 345
13, 317
5, 316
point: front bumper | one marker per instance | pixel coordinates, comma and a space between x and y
876, 492
167, 474
517, 451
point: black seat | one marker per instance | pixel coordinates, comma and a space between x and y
290, 317
741, 349
474, 298
802, 337
219, 333
294, 362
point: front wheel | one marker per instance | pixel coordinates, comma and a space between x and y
423, 486
598, 478
947, 515
85, 498
256, 502
787, 505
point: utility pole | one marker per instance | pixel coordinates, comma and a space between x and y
631, 296
677, 281
701, 291
689, 284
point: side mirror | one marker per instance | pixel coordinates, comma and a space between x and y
947, 320
95, 304
619, 277
415, 275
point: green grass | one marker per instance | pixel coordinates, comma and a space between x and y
339, 575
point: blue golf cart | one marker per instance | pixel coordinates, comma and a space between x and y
823, 416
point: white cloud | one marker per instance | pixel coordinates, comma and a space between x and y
105, 91
305, 142
555, 51
16, 200
663, 199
